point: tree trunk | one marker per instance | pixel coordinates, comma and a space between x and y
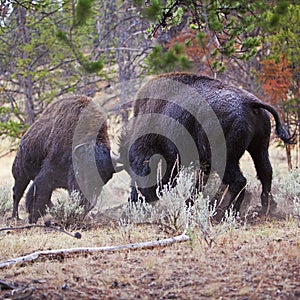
297, 139
25, 79
289, 157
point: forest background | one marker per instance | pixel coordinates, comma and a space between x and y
51, 48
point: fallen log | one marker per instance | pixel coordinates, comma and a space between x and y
88, 250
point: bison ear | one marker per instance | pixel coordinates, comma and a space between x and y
118, 166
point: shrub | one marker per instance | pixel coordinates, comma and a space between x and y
296, 206
286, 191
6, 202
289, 185
140, 212
173, 212
68, 211
136, 213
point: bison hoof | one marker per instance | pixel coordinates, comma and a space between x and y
268, 209
134, 196
217, 218
14, 218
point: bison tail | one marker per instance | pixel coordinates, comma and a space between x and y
281, 131
284, 134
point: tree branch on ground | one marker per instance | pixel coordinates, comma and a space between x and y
89, 250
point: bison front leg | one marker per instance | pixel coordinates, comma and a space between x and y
133, 197
38, 198
30, 197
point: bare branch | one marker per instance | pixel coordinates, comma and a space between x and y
89, 250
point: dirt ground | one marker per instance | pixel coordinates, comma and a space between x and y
257, 260
260, 261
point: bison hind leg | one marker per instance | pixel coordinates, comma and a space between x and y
18, 191
264, 173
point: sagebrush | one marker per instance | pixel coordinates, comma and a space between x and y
173, 210
6, 202
68, 210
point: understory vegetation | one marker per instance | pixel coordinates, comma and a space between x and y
258, 257
5, 198
51, 49
172, 211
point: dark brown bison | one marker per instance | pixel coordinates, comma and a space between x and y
67, 147
195, 119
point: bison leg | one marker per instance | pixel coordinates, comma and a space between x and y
18, 191
133, 197
234, 178
30, 199
39, 197
264, 173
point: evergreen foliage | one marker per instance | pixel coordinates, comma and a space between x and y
173, 59
233, 27
50, 48
80, 18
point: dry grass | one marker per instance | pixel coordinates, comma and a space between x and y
253, 262
258, 260
5, 168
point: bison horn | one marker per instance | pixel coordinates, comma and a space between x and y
114, 156
115, 160
75, 151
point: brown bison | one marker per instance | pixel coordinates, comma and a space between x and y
196, 119
67, 147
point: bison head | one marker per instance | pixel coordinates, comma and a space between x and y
149, 168
94, 166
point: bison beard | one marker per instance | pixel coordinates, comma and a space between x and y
48, 156
172, 101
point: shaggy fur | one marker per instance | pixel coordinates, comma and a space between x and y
172, 101
45, 154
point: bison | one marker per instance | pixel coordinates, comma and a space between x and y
67, 147
196, 119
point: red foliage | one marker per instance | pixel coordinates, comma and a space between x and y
277, 79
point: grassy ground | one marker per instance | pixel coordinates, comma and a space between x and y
255, 260
260, 261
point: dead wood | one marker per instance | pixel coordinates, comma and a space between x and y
83, 250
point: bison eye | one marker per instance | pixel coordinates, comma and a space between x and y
145, 162
141, 168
